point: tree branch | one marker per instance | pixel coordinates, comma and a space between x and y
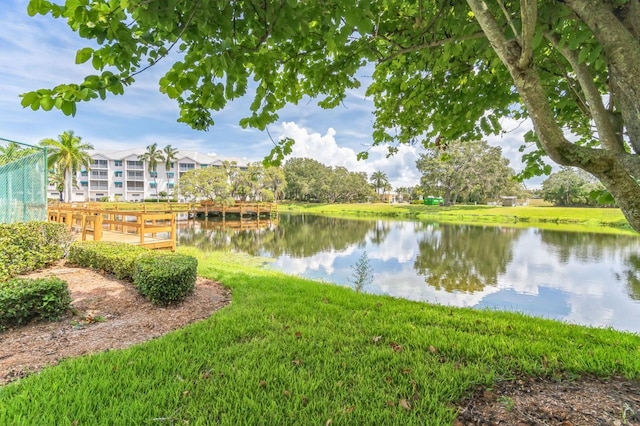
618, 43
530, 89
594, 102
182, 31
421, 46
529, 16
505, 12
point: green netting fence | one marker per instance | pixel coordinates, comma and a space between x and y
23, 182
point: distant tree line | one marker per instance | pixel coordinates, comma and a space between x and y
230, 182
311, 181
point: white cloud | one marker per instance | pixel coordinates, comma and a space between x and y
400, 168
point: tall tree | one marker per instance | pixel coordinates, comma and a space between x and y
57, 180
379, 180
459, 169
152, 157
170, 155
304, 178
447, 70
570, 187
275, 181
211, 183
68, 154
12, 152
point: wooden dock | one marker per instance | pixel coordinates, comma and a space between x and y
207, 207
241, 224
154, 230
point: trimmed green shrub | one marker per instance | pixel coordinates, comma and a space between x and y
27, 246
113, 257
22, 299
165, 278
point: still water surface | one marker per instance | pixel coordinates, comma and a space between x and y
583, 278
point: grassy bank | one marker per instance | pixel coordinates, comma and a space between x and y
593, 218
293, 351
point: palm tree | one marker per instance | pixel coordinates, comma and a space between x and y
170, 156
12, 152
153, 156
57, 180
379, 180
68, 154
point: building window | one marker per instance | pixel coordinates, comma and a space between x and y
117, 184
138, 165
99, 164
172, 165
80, 194
97, 185
152, 184
118, 173
135, 185
170, 185
135, 175
99, 174
153, 174
170, 175
204, 166
84, 173
187, 166
99, 195
117, 163
84, 183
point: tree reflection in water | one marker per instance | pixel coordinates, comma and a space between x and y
465, 258
633, 276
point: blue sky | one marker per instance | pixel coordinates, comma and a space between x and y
39, 52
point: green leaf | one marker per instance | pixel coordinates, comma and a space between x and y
46, 102
29, 98
83, 55
584, 53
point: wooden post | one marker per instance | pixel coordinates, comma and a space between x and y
97, 231
141, 227
174, 234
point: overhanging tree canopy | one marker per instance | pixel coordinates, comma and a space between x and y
444, 70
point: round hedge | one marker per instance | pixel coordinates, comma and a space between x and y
165, 278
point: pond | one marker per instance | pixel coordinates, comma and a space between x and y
583, 278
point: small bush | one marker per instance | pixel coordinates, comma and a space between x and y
165, 278
27, 246
113, 257
22, 299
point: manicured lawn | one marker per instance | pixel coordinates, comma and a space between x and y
293, 351
594, 218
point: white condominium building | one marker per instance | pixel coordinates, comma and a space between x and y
119, 175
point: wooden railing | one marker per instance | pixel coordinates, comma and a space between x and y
239, 207
135, 227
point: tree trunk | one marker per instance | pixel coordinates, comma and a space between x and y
616, 169
68, 185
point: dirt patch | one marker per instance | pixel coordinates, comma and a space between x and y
538, 402
109, 314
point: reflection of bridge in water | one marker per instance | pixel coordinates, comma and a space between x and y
238, 223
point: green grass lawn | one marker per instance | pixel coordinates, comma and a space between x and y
597, 219
291, 351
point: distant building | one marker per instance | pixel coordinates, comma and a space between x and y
120, 175
390, 197
509, 201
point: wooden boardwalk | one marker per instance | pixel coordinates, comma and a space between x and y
205, 207
153, 230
